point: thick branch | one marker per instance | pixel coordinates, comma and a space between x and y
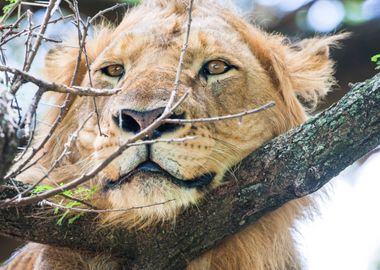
290, 166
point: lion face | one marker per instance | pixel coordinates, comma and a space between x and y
229, 67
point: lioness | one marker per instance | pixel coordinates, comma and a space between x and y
229, 67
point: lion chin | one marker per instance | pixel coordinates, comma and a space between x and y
229, 67
152, 194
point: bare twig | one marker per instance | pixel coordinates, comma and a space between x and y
48, 13
104, 11
78, 200
172, 140
60, 88
11, 27
25, 31
67, 146
181, 59
21, 167
85, 210
28, 41
224, 117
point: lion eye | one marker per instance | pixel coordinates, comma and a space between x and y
216, 67
113, 70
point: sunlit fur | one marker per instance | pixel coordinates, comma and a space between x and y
148, 43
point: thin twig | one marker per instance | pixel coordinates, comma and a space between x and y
48, 13
82, 36
28, 41
104, 11
220, 118
23, 168
20, 168
70, 141
172, 140
11, 27
60, 88
84, 210
25, 31
78, 200
181, 59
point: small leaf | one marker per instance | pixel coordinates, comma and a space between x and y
375, 58
62, 218
41, 188
68, 193
72, 204
74, 218
9, 6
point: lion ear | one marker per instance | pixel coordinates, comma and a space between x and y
310, 68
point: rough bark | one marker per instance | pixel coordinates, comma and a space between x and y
288, 167
8, 139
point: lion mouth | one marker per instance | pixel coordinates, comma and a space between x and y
152, 168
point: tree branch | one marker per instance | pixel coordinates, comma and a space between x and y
8, 138
290, 166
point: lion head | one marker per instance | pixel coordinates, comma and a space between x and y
229, 67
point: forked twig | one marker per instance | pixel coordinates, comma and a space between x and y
28, 63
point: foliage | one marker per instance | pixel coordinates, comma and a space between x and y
8, 6
376, 60
72, 199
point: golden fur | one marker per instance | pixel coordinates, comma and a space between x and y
147, 43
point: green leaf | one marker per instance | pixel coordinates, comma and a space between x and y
82, 193
68, 193
376, 58
74, 218
41, 188
72, 204
9, 6
62, 218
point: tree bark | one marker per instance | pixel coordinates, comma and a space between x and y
288, 167
8, 138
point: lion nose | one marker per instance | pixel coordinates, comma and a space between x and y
135, 121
